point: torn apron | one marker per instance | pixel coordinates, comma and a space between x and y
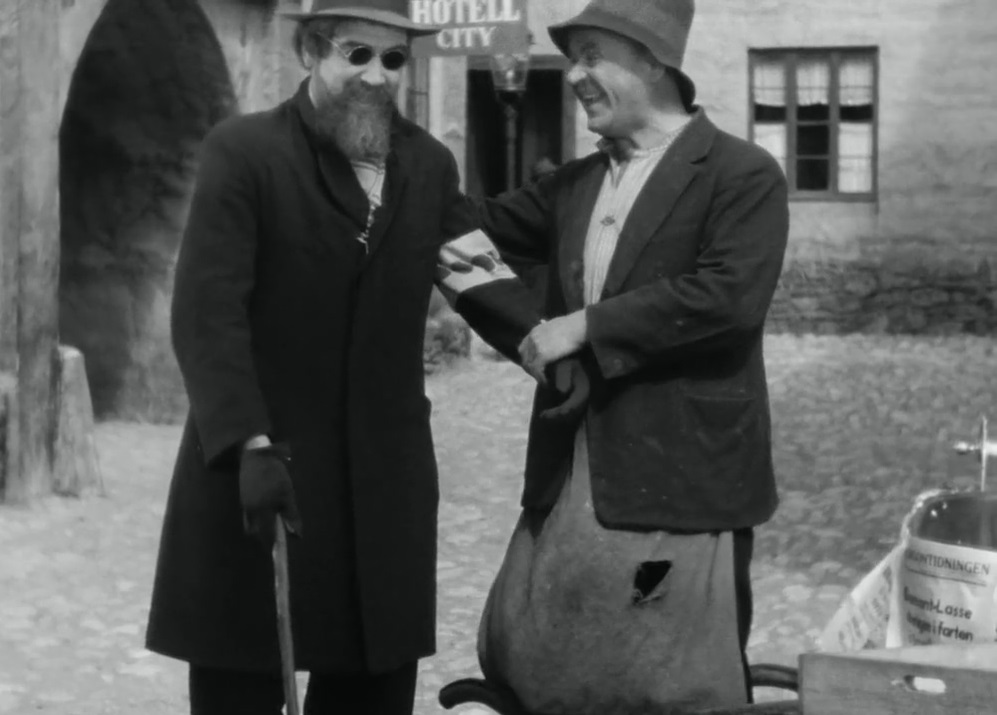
583, 619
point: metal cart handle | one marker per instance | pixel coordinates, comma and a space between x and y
504, 701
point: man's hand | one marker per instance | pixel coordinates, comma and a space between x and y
265, 491
569, 379
552, 340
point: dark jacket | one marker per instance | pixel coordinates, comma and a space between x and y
678, 422
282, 325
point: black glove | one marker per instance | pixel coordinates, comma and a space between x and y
569, 378
265, 490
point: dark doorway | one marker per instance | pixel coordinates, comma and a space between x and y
151, 82
540, 132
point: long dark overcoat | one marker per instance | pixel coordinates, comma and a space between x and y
678, 422
283, 325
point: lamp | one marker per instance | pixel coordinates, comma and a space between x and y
509, 74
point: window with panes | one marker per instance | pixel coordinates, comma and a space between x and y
415, 86
815, 110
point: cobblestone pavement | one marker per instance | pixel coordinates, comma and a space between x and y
861, 425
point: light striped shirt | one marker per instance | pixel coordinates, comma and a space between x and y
371, 178
624, 181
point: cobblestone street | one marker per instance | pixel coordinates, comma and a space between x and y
861, 426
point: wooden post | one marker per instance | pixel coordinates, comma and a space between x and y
75, 467
10, 165
448, 106
29, 231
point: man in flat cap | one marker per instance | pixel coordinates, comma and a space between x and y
302, 286
626, 585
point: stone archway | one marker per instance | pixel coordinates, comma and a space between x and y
151, 81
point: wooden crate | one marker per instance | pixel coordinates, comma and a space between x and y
925, 680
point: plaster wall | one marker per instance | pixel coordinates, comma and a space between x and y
920, 258
256, 44
76, 20
937, 117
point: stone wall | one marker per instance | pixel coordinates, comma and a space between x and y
914, 297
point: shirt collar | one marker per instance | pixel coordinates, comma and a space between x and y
621, 150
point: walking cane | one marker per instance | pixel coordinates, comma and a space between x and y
282, 589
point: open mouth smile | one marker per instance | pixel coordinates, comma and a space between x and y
590, 98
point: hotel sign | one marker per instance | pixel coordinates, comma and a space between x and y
471, 27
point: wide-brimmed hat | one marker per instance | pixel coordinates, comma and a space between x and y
393, 13
662, 26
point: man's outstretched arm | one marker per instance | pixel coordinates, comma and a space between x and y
486, 293
498, 306
475, 279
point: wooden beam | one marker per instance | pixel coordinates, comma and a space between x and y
10, 172
29, 180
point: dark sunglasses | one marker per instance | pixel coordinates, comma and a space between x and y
361, 55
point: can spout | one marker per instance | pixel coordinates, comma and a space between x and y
983, 447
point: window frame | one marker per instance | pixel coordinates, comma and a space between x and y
417, 91
789, 57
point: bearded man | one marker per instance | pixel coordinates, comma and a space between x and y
302, 286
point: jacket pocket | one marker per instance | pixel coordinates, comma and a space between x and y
719, 431
724, 454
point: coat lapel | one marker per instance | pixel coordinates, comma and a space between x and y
579, 203
397, 170
341, 183
656, 200
344, 187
